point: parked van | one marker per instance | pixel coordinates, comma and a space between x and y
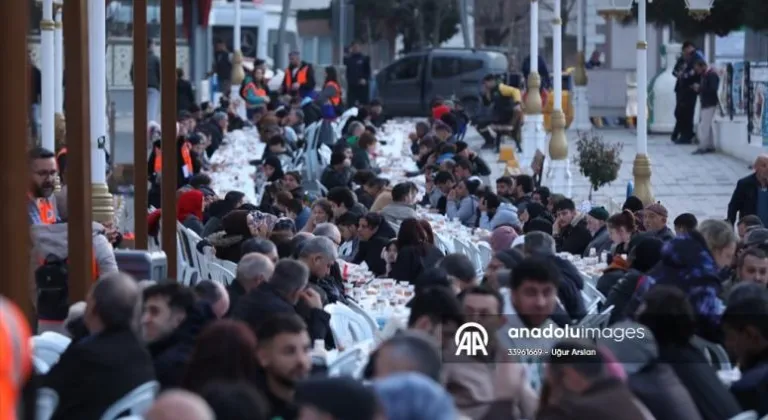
408, 85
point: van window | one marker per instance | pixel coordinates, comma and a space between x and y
445, 67
470, 65
405, 69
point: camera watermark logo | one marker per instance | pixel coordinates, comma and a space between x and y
471, 340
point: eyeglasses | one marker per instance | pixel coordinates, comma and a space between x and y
46, 174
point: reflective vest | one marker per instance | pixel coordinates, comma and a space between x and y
15, 356
45, 210
336, 99
62, 152
186, 157
301, 77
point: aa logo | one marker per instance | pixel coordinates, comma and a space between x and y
471, 340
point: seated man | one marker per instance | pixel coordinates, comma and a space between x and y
95, 372
505, 107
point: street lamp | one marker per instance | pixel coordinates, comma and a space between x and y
641, 168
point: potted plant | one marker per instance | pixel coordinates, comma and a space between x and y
597, 160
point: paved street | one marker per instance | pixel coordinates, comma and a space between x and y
701, 185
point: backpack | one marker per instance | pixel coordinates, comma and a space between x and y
52, 291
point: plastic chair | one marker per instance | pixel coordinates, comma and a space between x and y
363, 313
347, 327
136, 402
41, 368
715, 353
46, 403
747, 415
49, 346
592, 297
597, 321
351, 361
220, 274
486, 254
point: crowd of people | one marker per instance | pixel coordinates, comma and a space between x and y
245, 350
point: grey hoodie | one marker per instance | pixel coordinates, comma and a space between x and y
506, 214
52, 240
395, 213
465, 210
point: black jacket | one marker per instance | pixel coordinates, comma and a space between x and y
95, 372
620, 295
358, 67
708, 89
752, 389
744, 199
331, 178
171, 354
370, 251
610, 277
185, 95
479, 166
411, 262
255, 307
659, 389
361, 160
574, 239
700, 379
235, 291
364, 198
569, 290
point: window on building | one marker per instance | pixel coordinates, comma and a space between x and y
324, 51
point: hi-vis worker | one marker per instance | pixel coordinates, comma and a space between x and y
187, 166
332, 88
15, 357
42, 207
299, 78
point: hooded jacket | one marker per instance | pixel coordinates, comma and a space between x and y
601, 241
686, 263
506, 214
50, 240
394, 213
464, 210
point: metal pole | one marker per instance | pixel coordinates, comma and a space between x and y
641, 168
342, 29
463, 14
47, 64
77, 72
14, 22
58, 63
237, 38
140, 190
168, 124
280, 60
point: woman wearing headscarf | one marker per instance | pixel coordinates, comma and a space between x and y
261, 224
189, 210
235, 231
502, 238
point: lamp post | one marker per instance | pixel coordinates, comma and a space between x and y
47, 96
238, 74
58, 59
533, 128
581, 102
558, 144
641, 168
101, 199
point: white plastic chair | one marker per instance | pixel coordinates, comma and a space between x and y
136, 402
747, 415
46, 403
351, 361
49, 346
592, 297
220, 274
366, 316
347, 326
228, 265
709, 349
41, 368
597, 321
486, 253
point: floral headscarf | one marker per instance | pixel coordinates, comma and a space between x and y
263, 222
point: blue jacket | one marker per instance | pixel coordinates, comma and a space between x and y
465, 210
506, 214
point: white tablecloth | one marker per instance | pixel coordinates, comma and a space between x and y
233, 172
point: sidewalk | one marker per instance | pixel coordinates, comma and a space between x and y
701, 185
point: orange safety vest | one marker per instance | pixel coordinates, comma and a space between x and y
186, 157
15, 356
63, 151
336, 99
301, 77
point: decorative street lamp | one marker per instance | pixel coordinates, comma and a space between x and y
641, 168
699, 9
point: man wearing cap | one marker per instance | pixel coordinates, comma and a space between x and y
601, 240
655, 221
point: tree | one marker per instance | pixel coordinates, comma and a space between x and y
425, 22
756, 16
726, 16
373, 19
566, 6
498, 18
